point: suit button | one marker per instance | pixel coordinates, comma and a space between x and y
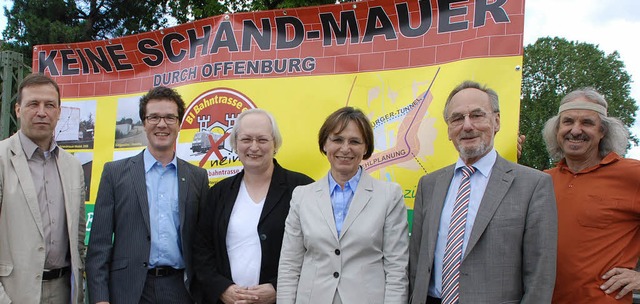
144, 264
148, 238
337, 251
263, 237
336, 274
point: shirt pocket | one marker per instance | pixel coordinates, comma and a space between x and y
597, 211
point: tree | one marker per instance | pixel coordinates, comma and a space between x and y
189, 10
554, 67
33, 22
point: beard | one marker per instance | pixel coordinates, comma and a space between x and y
473, 152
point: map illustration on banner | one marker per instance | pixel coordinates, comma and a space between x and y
407, 148
397, 60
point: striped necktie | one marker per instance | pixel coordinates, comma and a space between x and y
455, 237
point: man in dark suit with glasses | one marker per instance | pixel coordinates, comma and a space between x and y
145, 215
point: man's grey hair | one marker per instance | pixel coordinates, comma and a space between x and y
469, 84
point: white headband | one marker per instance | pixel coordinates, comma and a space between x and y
583, 105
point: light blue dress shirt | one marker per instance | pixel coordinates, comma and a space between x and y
479, 181
164, 213
341, 198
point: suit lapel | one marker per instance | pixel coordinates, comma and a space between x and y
440, 189
361, 198
19, 162
183, 190
497, 187
227, 202
137, 173
65, 178
275, 192
323, 202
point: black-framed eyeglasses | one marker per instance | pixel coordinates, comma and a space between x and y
155, 119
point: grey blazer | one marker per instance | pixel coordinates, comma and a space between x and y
117, 270
366, 264
511, 254
21, 231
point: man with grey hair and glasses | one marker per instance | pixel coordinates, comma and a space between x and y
484, 228
598, 198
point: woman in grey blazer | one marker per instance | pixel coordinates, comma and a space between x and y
346, 235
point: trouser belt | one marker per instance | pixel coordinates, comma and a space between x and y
55, 273
163, 271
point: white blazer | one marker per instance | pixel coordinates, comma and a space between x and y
366, 264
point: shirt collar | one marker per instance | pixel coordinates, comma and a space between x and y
353, 182
29, 147
484, 164
150, 161
610, 158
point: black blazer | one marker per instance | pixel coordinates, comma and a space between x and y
210, 258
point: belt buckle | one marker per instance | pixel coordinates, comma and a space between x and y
161, 271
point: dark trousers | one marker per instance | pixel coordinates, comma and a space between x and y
169, 289
432, 300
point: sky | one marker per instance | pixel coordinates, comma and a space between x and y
603, 23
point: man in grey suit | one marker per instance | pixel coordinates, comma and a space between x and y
145, 215
42, 218
484, 229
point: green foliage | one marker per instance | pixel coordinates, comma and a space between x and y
189, 10
275, 4
116, 18
34, 22
554, 67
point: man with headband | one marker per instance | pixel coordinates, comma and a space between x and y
598, 197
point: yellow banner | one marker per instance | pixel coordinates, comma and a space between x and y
395, 60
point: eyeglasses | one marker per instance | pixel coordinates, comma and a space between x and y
476, 117
155, 119
249, 140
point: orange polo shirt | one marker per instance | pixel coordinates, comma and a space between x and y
598, 227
